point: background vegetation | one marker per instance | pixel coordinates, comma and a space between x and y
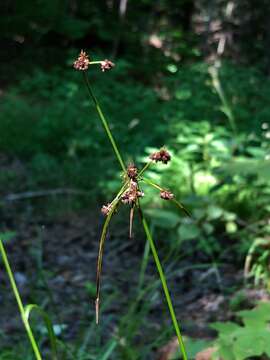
190, 74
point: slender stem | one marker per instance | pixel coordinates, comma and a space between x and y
19, 302
95, 62
164, 284
114, 204
104, 122
146, 166
149, 182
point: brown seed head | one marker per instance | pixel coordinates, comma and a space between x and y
106, 209
132, 193
162, 155
132, 171
82, 63
166, 195
106, 65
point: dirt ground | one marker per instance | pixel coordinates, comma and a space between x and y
54, 261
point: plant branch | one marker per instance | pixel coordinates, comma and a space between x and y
104, 122
156, 186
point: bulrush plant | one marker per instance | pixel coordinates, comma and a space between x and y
130, 193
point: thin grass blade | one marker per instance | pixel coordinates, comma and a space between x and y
53, 340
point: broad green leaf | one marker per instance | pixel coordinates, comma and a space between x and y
214, 212
227, 328
225, 351
259, 316
163, 218
188, 232
208, 228
249, 343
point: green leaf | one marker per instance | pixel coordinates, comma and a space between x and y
225, 350
188, 232
259, 316
250, 343
208, 228
214, 212
53, 340
163, 218
225, 328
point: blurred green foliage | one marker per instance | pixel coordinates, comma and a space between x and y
243, 342
222, 176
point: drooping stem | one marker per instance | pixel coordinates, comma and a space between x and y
164, 284
104, 122
19, 302
114, 204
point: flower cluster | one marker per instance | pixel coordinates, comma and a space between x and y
132, 190
106, 65
82, 63
161, 156
132, 193
106, 209
166, 195
132, 172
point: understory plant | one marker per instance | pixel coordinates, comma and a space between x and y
26, 311
239, 342
130, 193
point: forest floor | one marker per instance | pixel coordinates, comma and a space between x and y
54, 260
53, 255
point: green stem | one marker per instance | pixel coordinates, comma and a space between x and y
114, 204
149, 182
146, 166
19, 302
95, 62
104, 122
164, 284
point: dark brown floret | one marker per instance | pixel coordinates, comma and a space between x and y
132, 171
82, 63
166, 195
106, 209
132, 193
162, 155
106, 65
